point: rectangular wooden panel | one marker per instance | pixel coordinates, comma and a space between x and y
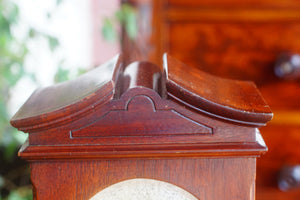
241, 40
236, 3
284, 150
204, 178
283, 97
232, 15
233, 50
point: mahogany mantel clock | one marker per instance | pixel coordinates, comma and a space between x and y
143, 132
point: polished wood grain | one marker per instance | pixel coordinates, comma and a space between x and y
274, 193
284, 149
241, 40
228, 96
235, 3
234, 50
145, 46
236, 15
143, 91
286, 102
89, 88
144, 121
204, 178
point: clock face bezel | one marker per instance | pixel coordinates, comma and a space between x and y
142, 188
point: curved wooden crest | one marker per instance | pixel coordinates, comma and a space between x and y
143, 105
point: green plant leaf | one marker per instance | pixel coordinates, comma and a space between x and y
125, 16
13, 14
13, 52
14, 196
108, 31
20, 137
22, 193
61, 75
2, 182
131, 25
32, 33
81, 71
10, 150
53, 43
58, 2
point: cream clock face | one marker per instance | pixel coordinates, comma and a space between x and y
143, 189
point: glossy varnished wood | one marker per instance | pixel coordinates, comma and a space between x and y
235, 3
241, 40
196, 131
219, 96
288, 153
150, 107
145, 46
204, 178
234, 49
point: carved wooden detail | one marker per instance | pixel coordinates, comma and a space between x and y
141, 101
137, 123
187, 128
241, 40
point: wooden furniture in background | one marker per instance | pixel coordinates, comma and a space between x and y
289, 178
239, 40
140, 124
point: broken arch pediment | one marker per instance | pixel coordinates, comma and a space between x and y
237, 101
140, 117
145, 106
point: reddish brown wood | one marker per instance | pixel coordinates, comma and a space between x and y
287, 101
204, 178
288, 178
146, 44
275, 194
241, 40
234, 49
284, 149
224, 97
236, 3
146, 121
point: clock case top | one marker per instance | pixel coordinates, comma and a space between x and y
142, 110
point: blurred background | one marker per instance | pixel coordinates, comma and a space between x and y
42, 43
49, 41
